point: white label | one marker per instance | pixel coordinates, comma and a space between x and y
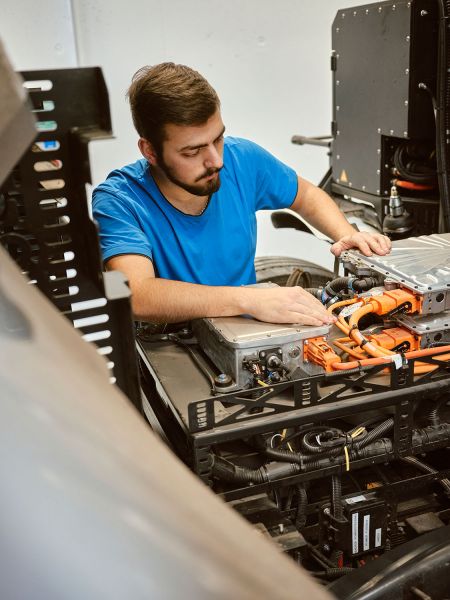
355, 532
397, 360
366, 532
355, 499
349, 310
377, 537
377, 291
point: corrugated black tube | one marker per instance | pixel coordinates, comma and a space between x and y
376, 433
300, 520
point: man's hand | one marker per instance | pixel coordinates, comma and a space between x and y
367, 243
286, 305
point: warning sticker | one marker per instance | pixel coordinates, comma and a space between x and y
343, 176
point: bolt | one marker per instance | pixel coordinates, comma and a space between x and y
406, 71
280, 351
379, 130
326, 548
423, 13
262, 354
408, 38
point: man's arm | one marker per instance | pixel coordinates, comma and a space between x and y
316, 207
165, 301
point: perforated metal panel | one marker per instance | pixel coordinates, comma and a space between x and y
44, 217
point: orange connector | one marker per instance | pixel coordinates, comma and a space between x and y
317, 351
390, 300
393, 337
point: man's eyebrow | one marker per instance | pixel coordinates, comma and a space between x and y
184, 148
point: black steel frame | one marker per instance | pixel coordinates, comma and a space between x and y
299, 402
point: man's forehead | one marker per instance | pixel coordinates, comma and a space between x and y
188, 135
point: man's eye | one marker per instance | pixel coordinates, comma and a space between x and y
191, 153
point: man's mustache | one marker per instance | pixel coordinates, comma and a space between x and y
207, 173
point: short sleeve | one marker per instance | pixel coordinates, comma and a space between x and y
120, 232
276, 184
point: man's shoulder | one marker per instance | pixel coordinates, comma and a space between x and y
238, 144
244, 150
124, 177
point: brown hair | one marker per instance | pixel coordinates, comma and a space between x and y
169, 93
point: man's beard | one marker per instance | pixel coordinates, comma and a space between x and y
197, 189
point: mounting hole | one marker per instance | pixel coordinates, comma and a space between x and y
437, 337
440, 297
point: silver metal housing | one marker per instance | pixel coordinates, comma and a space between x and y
228, 341
420, 264
430, 328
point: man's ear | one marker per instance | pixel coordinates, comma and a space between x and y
147, 150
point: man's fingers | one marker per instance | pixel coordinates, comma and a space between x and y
321, 316
337, 248
303, 319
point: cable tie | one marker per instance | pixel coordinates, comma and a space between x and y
347, 459
363, 343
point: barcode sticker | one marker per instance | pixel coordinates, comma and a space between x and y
355, 533
366, 532
377, 537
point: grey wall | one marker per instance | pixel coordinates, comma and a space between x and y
269, 62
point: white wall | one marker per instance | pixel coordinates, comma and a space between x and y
38, 35
269, 62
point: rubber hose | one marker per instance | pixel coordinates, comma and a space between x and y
229, 472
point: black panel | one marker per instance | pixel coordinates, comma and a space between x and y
382, 52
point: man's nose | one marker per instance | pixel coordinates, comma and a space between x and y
213, 159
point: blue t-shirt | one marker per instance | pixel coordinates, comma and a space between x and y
214, 248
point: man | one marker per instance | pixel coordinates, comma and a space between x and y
180, 223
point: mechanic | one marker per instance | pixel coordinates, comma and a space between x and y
180, 223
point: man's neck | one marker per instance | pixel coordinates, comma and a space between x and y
176, 195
